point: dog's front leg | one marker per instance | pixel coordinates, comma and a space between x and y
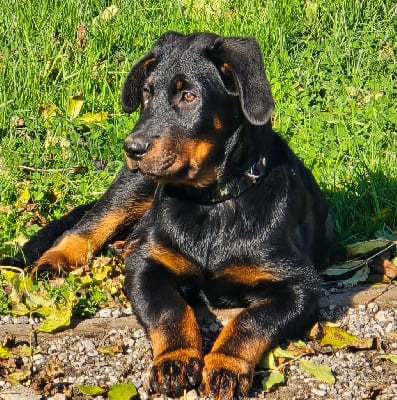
153, 276
120, 207
280, 308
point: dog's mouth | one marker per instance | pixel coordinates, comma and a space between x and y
188, 165
154, 167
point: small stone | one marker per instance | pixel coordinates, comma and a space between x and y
191, 395
127, 310
88, 344
92, 353
58, 396
381, 316
117, 313
319, 392
104, 313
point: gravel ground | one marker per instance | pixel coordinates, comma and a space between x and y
64, 362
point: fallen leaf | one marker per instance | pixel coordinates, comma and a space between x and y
90, 390
321, 372
4, 352
75, 103
16, 378
24, 350
298, 347
278, 352
367, 247
336, 337
391, 357
361, 275
273, 379
107, 14
111, 350
343, 268
122, 391
268, 361
58, 319
81, 37
92, 118
48, 111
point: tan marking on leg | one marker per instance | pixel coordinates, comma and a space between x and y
172, 260
176, 335
231, 341
250, 275
74, 250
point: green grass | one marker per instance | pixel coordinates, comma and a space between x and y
332, 66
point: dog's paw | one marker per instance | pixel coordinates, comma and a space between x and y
176, 371
52, 263
225, 377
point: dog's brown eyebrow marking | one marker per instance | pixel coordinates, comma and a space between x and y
217, 123
149, 61
224, 67
179, 84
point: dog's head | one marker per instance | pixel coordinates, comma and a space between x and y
195, 91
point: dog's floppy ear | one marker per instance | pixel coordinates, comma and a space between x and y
241, 65
131, 93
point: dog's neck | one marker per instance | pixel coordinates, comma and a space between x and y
233, 183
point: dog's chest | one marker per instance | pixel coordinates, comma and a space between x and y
208, 234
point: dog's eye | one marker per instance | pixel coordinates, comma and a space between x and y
188, 96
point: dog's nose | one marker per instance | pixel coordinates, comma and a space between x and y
136, 147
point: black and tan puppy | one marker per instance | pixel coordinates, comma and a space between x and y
216, 206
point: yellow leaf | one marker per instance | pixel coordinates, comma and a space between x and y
101, 273
90, 390
24, 351
337, 337
4, 352
58, 319
92, 118
74, 105
321, 372
17, 377
391, 357
111, 350
272, 380
122, 391
107, 14
49, 111
24, 197
268, 361
281, 353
